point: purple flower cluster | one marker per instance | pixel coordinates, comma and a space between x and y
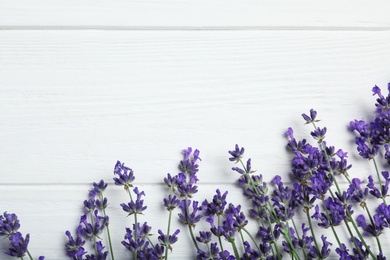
182, 187
9, 226
374, 135
91, 225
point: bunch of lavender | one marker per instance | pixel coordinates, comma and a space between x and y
91, 225
274, 215
9, 226
316, 171
182, 187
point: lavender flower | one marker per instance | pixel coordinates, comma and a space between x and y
374, 229
101, 255
312, 118
319, 134
135, 207
204, 237
74, 247
171, 202
237, 154
9, 224
125, 175
217, 205
325, 250
167, 241
18, 245
193, 217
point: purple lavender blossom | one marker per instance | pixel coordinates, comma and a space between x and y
74, 247
214, 250
319, 134
312, 118
90, 230
336, 213
236, 154
167, 241
100, 187
189, 164
382, 193
324, 253
171, 202
9, 224
193, 217
125, 175
101, 255
18, 245
135, 207
370, 229
217, 205
204, 237
357, 194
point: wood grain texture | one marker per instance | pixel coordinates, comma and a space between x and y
73, 103
202, 14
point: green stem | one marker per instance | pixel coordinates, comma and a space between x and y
29, 255
353, 237
296, 231
169, 227
254, 241
94, 237
373, 224
272, 232
208, 248
360, 236
151, 243
135, 225
312, 232
108, 230
220, 241
235, 250
242, 237
379, 178
189, 227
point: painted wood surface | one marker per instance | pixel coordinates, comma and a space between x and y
86, 84
195, 14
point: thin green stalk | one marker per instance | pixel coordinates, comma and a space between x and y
208, 249
353, 237
296, 231
360, 236
220, 241
373, 224
94, 237
242, 237
270, 225
379, 178
346, 223
254, 241
189, 227
312, 231
169, 227
151, 243
235, 250
135, 225
29, 255
108, 229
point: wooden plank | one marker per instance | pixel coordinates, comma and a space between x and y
73, 103
202, 14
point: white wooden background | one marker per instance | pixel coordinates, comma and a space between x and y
86, 83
